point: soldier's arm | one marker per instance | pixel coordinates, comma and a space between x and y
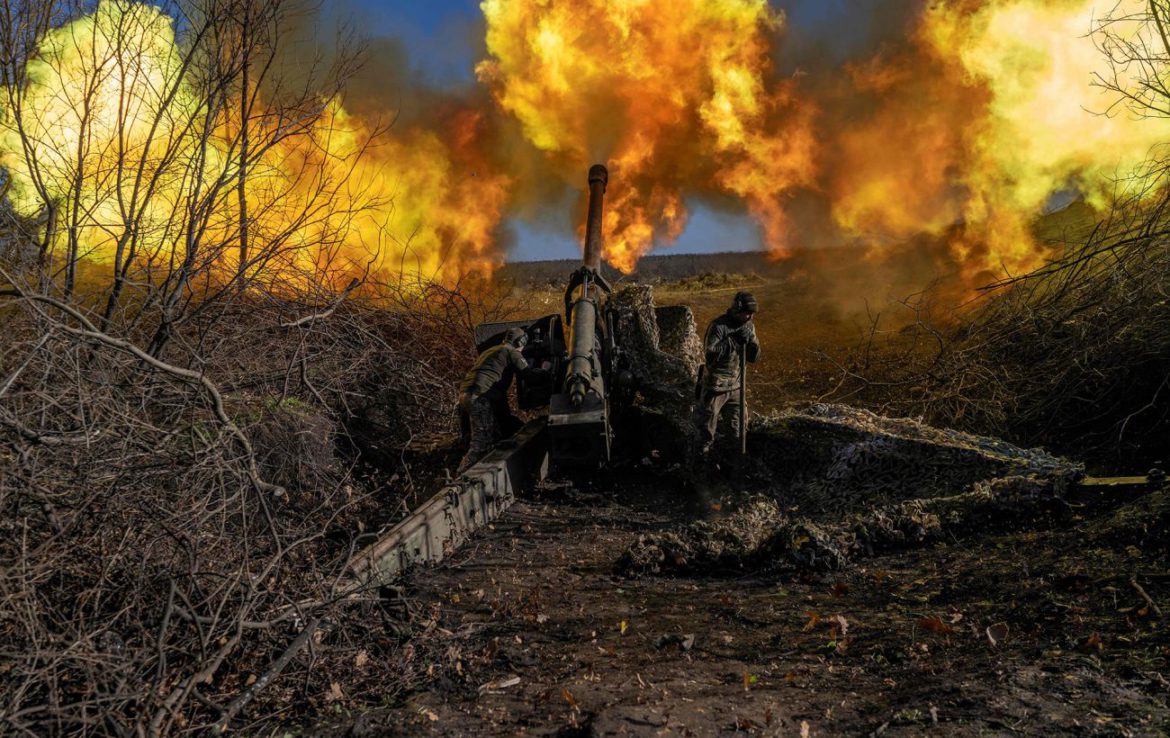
717, 342
516, 359
524, 369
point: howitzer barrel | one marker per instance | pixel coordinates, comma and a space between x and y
583, 347
598, 179
578, 418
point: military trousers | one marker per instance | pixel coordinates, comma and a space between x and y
483, 428
711, 406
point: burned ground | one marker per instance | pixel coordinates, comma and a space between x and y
873, 576
1046, 628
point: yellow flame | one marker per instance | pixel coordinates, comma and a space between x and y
989, 111
109, 109
675, 93
994, 113
94, 95
1044, 130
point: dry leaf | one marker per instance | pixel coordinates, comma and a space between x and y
361, 659
813, 619
934, 624
996, 633
498, 684
840, 624
804, 729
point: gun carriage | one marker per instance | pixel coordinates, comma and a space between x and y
588, 384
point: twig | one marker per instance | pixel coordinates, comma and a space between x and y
267, 678
309, 319
89, 331
1145, 596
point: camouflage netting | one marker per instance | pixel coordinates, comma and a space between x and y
660, 345
831, 459
847, 483
662, 351
678, 336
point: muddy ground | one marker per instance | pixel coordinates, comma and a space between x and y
528, 630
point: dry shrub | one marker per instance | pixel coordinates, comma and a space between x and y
1075, 356
294, 443
172, 524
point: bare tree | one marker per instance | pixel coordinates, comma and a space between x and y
188, 363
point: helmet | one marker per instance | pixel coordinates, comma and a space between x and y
744, 302
516, 336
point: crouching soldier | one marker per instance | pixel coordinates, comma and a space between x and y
719, 392
483, 396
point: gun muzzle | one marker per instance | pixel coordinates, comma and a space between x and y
598, 179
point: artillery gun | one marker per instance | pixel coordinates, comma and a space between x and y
587, 394
589, 384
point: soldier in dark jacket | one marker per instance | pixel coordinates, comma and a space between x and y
483, 396
721, 380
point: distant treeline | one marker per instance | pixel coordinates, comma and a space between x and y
656, 268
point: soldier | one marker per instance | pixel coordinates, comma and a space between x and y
721, 381
483, 396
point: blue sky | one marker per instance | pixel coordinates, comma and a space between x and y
444, 41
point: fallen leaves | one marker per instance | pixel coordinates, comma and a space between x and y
997, 633
1093, 643
839, 626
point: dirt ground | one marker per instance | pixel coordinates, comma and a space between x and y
527, 630
1029, 627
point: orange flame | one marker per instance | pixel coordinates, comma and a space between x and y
965, 132
678, 94
991, 113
